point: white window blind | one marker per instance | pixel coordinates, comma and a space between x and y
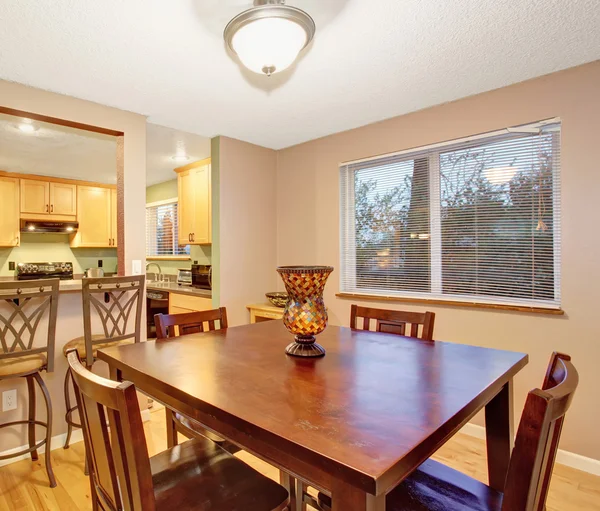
161, 230
475, 220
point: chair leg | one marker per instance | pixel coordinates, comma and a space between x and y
40, 382
69, 409
171, 430
31, 418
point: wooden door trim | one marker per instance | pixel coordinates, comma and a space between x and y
60, 122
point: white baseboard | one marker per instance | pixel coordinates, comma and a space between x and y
569, 459
57, 442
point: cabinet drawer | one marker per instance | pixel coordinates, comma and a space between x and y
193, 303
178, 310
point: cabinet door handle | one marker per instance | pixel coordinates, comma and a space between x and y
52, 208
193, 237
190, 236
109, 242
46, 208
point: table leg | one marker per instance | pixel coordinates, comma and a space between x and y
115, 374
499, 426
348, 498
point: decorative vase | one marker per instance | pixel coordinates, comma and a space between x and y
305, 314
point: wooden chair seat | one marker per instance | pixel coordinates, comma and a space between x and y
79, 344
20, 366
200, 475
436, 487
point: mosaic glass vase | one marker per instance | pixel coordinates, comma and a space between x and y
305, 314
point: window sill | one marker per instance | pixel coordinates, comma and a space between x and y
453, 303
168, 258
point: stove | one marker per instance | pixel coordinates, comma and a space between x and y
33, 271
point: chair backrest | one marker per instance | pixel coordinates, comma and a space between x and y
394, 322
533, 456
114, 440
23, 306
170, 325
114, 299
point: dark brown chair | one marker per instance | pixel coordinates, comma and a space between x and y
171, 325
394, 322
435, 487
24, 306
112, 306
195, 475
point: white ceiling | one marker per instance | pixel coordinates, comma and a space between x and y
70, 153
371, 59
57, 151
164, 143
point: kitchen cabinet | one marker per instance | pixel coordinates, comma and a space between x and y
96, 217
260, 312
48, 200
180, 304
63, 199
9, 212
194, 197
113, 217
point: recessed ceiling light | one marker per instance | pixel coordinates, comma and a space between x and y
27, 126
31, 227
180, 157
269, 37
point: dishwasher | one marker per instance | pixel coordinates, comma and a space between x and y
157, 302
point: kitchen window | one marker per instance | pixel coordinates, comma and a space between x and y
161, 231
472, 220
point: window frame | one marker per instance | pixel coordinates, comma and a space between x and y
348, 284
169, 257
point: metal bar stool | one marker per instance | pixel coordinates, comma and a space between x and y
25, 354
117, 302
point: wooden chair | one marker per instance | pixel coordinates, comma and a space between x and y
117, 303
394, 322
195, 475
171, 325
434, 486
25, 354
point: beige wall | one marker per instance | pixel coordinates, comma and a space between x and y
308, 195
70, 322
248, 229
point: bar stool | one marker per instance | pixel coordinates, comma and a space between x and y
23, 353
113, 299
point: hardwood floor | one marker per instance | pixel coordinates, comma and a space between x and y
24, 485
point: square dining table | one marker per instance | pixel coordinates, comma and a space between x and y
354, 423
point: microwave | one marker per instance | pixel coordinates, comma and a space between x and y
202, 276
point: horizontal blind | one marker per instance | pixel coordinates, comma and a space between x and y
161, 230
478, 220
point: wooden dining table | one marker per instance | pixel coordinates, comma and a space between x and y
354, 423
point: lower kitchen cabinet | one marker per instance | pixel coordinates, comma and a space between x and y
181, 304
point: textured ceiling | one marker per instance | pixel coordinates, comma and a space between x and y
57, 151
370, 60
70, 153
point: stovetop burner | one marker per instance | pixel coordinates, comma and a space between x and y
32, 271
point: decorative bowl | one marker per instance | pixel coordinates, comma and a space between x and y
278, 299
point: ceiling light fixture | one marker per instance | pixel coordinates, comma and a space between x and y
269, 37
27, 126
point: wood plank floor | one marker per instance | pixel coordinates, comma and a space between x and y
24, 485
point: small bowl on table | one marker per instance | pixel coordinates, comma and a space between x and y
278, 299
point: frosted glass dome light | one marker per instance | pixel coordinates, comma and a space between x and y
269, 37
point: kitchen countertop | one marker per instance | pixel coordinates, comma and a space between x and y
173, 287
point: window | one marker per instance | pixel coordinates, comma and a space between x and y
474, 220
161, 230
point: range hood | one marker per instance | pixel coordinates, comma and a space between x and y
44, 226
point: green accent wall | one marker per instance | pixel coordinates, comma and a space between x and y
162, 191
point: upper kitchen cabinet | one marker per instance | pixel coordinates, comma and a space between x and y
97, 223
194, 190
9, 212
51, 200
